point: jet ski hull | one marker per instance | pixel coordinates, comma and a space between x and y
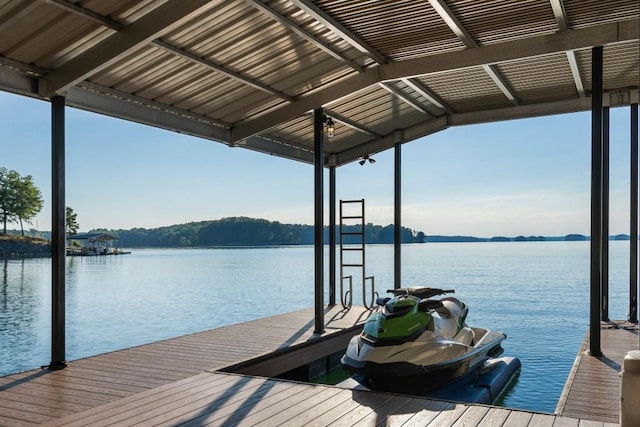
419, 377
485, 385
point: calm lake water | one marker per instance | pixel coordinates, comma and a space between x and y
537, 292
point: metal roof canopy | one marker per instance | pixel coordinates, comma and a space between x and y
94, 237
249, 73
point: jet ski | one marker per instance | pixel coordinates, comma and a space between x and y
415, 343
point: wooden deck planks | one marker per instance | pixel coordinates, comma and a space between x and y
366, 405
231, 399
270, 408
472, 416
34, 397
307, 411
164, 384
494, 417
592, 391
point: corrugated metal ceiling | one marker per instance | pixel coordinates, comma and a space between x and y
249, 73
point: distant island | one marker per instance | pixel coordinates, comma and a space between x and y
243, 231
565, 238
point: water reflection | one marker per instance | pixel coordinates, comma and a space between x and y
5, 285
21, 308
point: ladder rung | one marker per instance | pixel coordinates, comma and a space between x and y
353, 249
353, 265
352, 217
351, 233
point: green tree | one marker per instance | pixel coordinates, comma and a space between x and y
20, 199
28, 202
9, 187
71, 219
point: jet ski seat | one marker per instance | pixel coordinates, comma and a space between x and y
453, 313
451, 307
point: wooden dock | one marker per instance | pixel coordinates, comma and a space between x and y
39, 396
177, 381
592, 390
234, 400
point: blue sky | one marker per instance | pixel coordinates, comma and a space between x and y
521, 177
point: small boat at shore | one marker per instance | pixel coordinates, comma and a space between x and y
94, 244
416, 344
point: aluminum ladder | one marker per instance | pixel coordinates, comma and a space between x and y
352, 253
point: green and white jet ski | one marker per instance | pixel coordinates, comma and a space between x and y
416, 344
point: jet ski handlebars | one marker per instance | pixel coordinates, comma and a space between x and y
420, 291
423, 293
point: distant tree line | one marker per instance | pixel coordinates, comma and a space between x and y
242, 231
467, 239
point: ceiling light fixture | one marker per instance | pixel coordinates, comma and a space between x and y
329, 127
365, 158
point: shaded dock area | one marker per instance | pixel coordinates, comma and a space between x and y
178, 381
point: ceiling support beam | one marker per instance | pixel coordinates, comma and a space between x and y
502, 84
575, 72
157, 22
338, 29
603, 35
560, 14
350, 123
306, 103
421, 129
222, 70
563, 25
90, 97
114, 25
12, 80
327, 48
428, 94
89, 14
404, 97
276, 147
429, 127
153, 105
520, 112
599, 35
458, 29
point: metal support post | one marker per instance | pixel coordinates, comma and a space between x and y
318, 182
596, 201
332, 235
397, 221
633, 248
604, 287
58, 226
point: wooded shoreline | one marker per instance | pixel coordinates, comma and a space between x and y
25, 248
